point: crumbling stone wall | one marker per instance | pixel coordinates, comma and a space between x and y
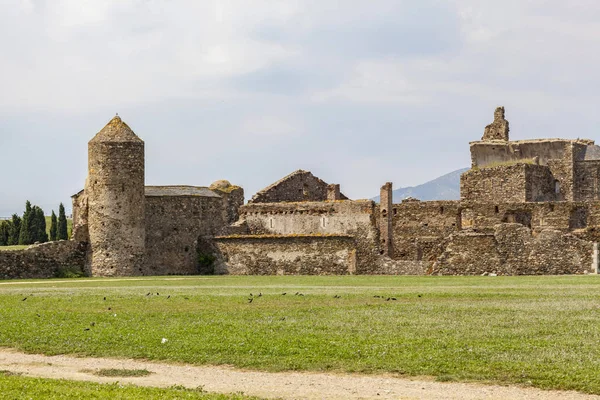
421, 228
286, 255
587, 180
115, 195
174, 225
46, 260
232, 197
354, 218
296, 187
508, 183
497, 130
512, 249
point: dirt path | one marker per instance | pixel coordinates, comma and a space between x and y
286, 385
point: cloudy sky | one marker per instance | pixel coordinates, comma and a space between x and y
359, 92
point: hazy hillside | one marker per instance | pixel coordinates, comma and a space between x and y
446, 187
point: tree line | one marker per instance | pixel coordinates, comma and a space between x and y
31, 227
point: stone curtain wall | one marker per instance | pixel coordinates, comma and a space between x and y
173, 226
512, 250
353, 218
286, 255
45, 260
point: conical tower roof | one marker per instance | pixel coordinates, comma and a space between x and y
116, 131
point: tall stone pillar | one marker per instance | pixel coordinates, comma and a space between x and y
116, 199
385, 224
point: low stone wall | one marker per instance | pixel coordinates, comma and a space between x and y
512, 250
286, 255
45, 260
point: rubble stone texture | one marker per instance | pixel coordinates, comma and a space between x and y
497, 130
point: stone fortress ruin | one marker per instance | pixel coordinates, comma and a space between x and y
526, 207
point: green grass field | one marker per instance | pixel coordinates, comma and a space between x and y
17, 387
6, 248
539, 331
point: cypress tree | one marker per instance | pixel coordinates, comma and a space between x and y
62, 223
53, 227
25, 234
4, 228
15, 230
39, 229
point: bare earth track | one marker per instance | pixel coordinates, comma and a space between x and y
285, 385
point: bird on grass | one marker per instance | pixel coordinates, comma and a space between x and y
109, 308
420, 295
377, 297
105, 299
250, 300
260, 294
169, 296
148, 294
393, 298
337, 296
283, 294
86, 329
93, 324
24, 299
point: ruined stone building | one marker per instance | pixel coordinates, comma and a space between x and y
526, 207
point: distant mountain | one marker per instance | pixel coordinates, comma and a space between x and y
446, 187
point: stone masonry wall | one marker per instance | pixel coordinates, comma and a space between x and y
508, 183
353, 218
42, 260
587, 180
420, 230
174, 224
512, 249
286, 255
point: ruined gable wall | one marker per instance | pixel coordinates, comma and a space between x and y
354, 218
299, 186
286, 255
421, 227
44, 260
173, 227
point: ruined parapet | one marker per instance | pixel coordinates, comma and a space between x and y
333, 192
385, 224
116, 202
233, 199
497, 130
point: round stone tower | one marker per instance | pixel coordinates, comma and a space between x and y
115, 192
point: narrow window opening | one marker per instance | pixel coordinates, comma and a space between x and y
395, 211
271, 222
441, 210
496, 210
551, 207
323, 222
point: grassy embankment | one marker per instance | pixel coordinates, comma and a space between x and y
539, 331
